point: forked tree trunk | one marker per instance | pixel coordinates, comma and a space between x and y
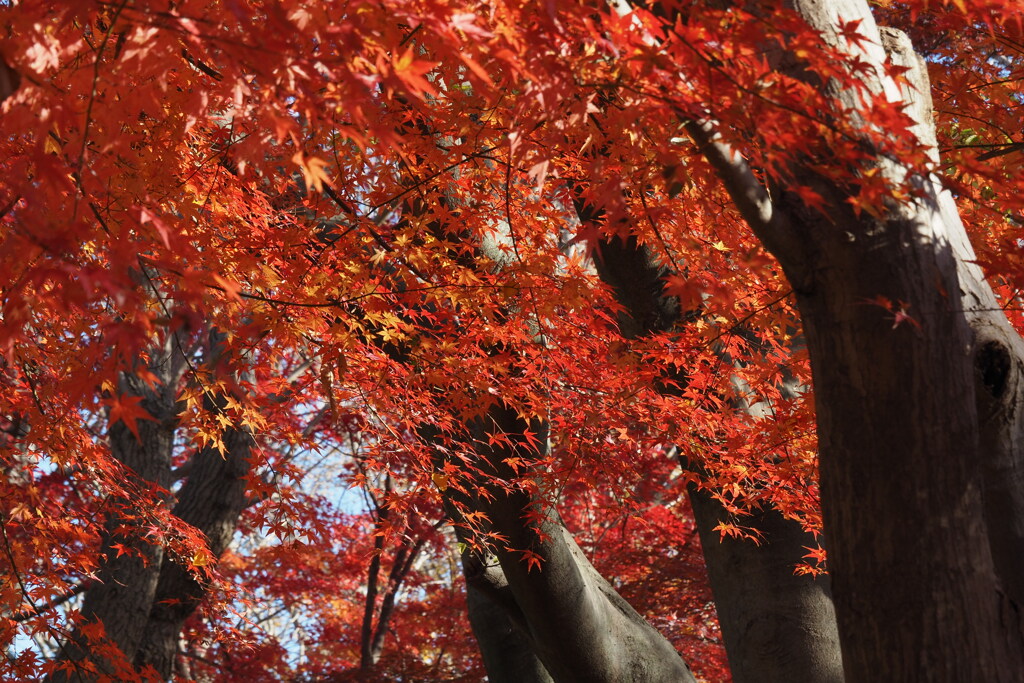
576, 625
130, 560
505, 648
144, 601
212, 500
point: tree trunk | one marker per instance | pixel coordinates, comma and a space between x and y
902, 453
504, 646
568, 622
212, 499
144, 601
998, 358
126, 581
777, 626
901, 486
578, 627
498, 624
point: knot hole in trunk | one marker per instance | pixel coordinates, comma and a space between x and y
992, 362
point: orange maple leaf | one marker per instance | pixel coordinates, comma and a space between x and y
312, 171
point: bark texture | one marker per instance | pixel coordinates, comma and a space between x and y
504, 646
777, 626
212, 499
575, 623
143, 598
919, 570
997, 352
126, 581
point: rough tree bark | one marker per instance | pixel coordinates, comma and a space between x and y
144, 601
126, 581
923, 579
212, 500
562, 621
498, 624
504, 646
777, 626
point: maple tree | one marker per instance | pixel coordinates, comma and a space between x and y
529, 278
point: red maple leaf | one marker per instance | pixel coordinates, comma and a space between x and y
125, 408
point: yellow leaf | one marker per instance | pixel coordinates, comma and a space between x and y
440, 481
404, 61
51, 145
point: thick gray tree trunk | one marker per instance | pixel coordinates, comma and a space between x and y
505, 647
571, 618
126, 581
144, 601
777, 626
212, 500
922, 576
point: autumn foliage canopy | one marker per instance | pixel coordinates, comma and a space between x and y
322, 242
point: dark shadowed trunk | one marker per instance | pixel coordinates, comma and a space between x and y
920, 583
144, 601
505, 648
777, 626
571, 619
